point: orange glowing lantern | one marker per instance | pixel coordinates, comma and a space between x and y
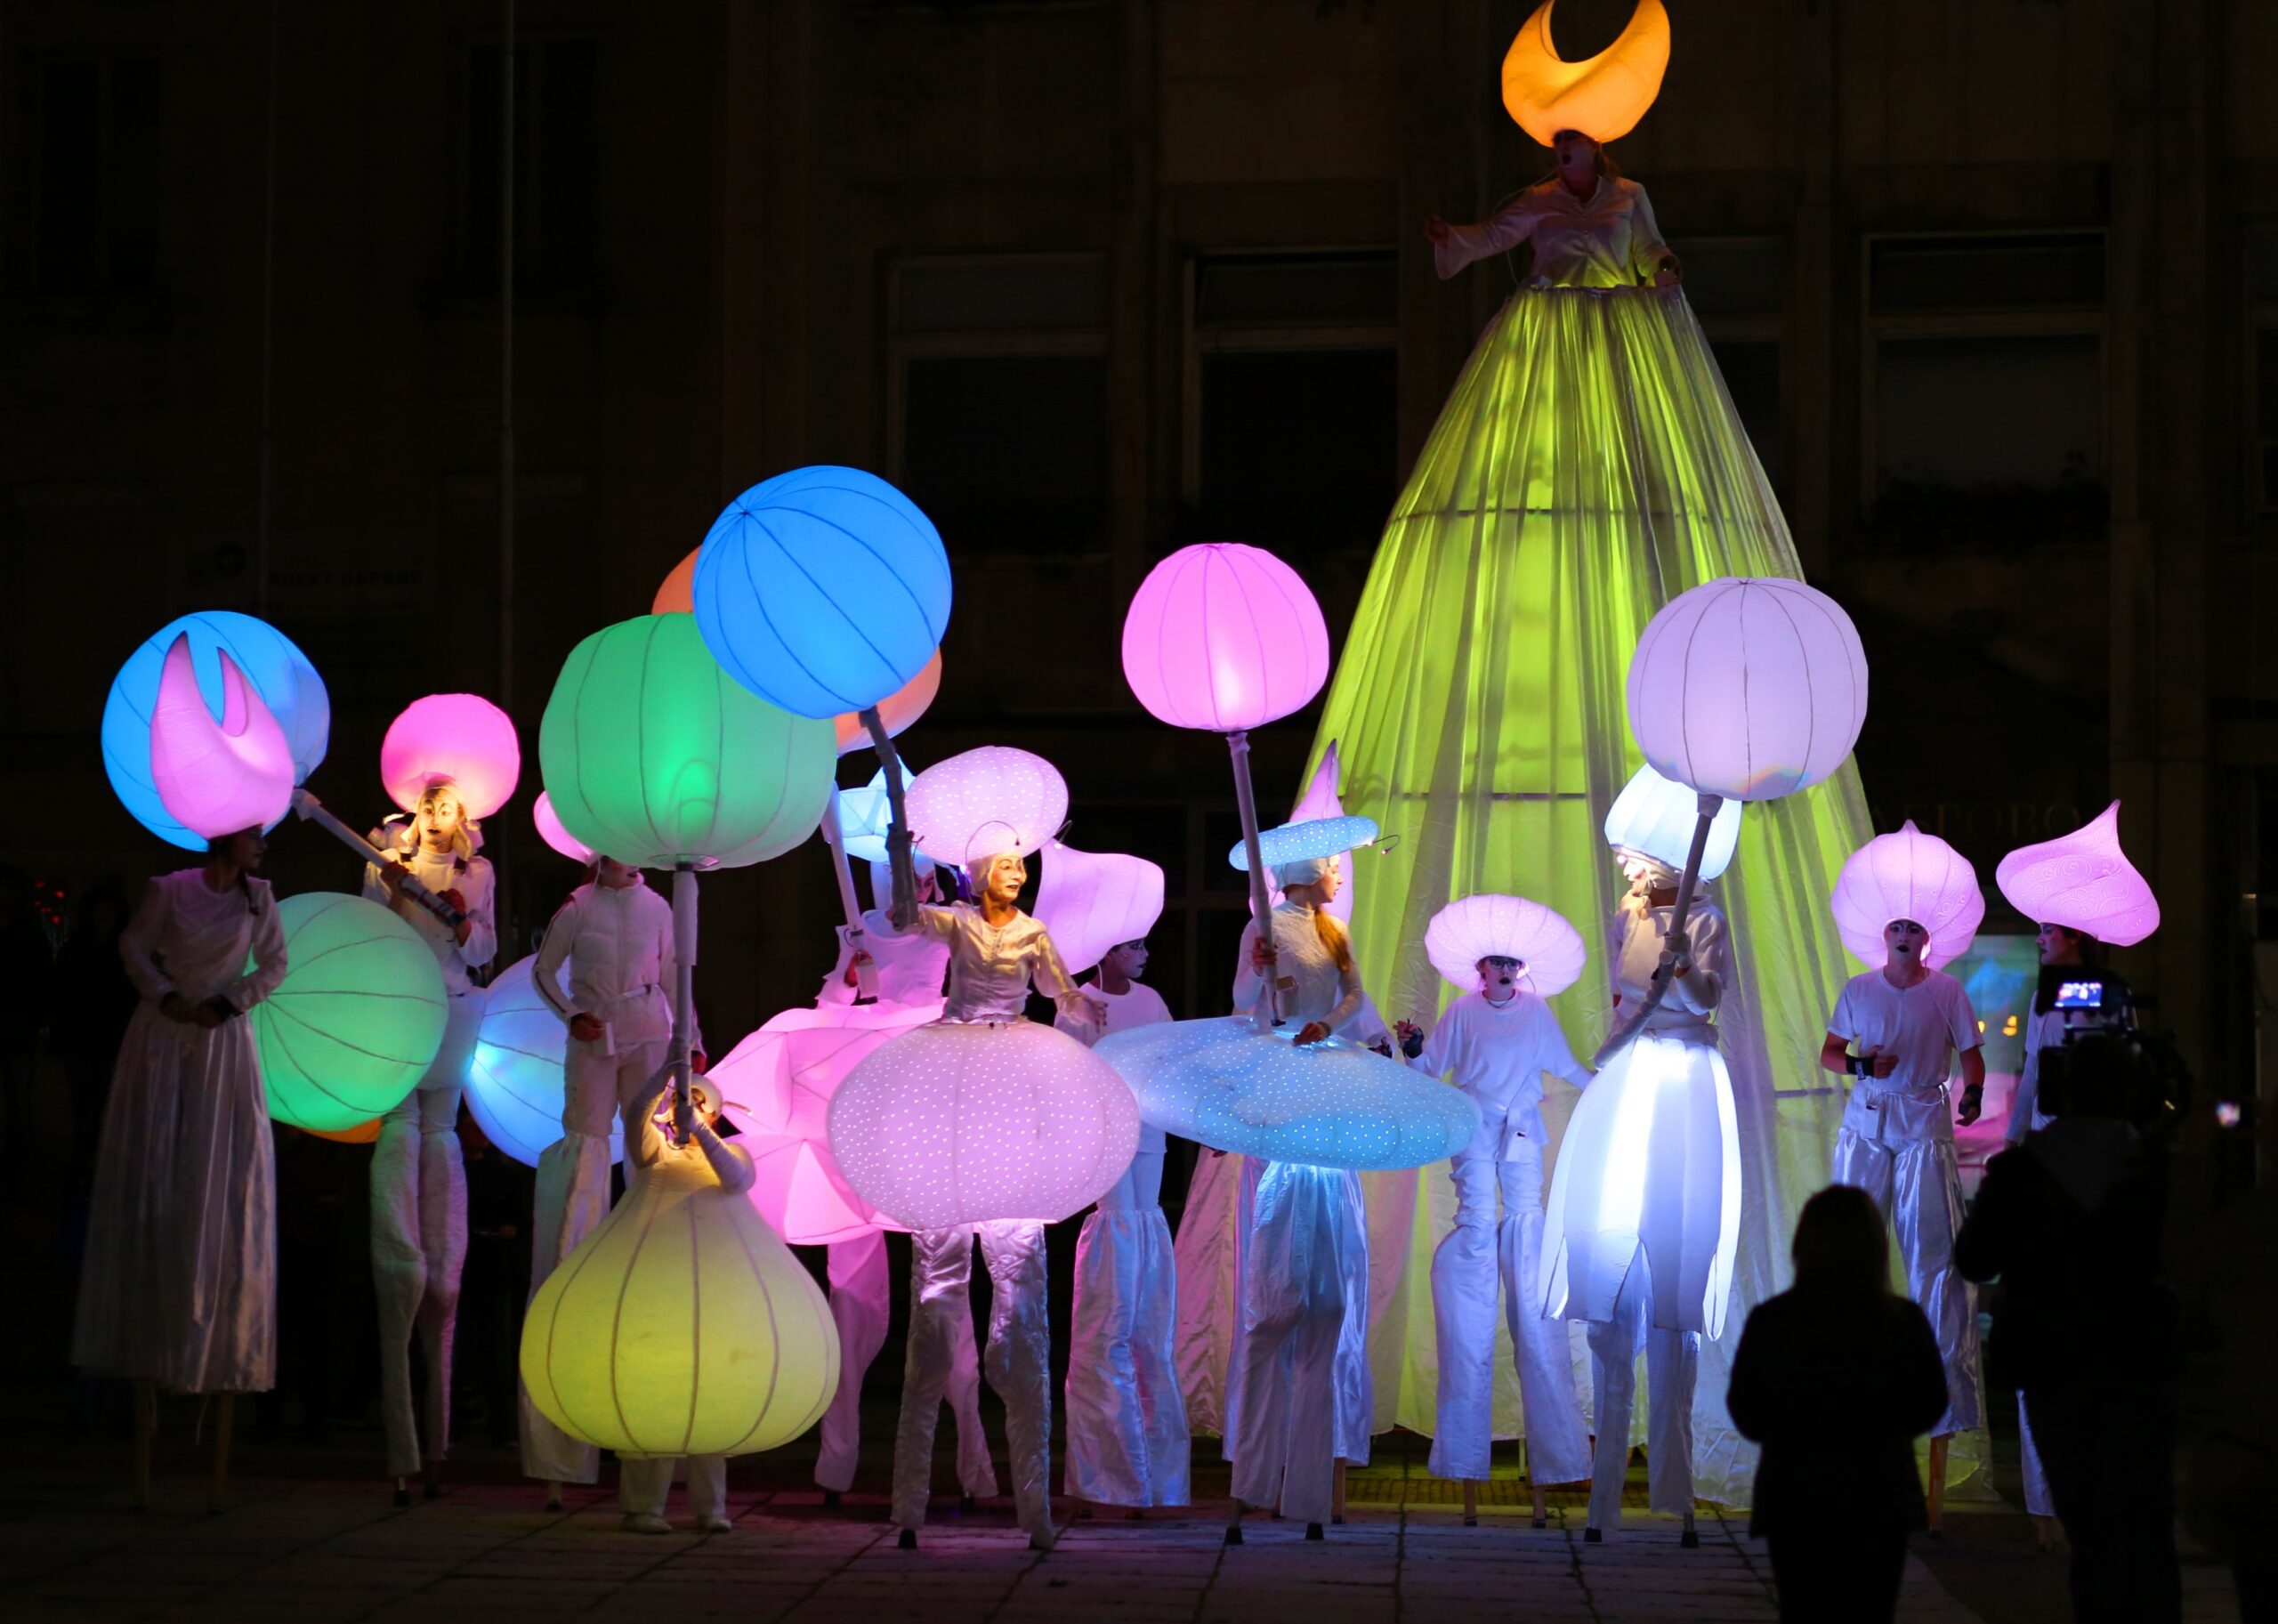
898, 709
677, 595
363, 1132
1603, 97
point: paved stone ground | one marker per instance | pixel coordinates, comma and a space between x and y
307, 1542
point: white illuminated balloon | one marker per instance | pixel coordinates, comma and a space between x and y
1490, 926
1091, 902
986, 803
1908, 876
1749, 688
515, 1086
1655, 816
866, 815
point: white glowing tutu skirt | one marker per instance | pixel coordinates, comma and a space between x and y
956, 1124
1650, 1169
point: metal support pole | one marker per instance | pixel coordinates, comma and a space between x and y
899, 842
1261, 910
310, 809
866, 973
683, 978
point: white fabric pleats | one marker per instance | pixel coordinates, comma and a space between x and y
1127, 1420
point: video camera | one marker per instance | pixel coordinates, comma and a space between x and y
2096, 1003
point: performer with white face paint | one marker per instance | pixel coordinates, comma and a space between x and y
1645, 1206
1496, 1042
1300, 1395
1907, 1022
1128, 1442
418, 1177
616, 936
910, 971
996, 953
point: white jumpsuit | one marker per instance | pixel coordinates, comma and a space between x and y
1300, 1395
180, 1283
1127, 1421
644, 1484
910, 971
1897, 1145
991, 969
1498, 1054
419, 1176
617, 943
1644, 1208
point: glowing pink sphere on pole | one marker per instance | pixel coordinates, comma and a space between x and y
1747, 688
2082, 881
216, 777
1223, 638
1908, 876
458, 739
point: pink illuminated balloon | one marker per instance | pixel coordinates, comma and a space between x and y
1095, 901
986, 803
1491, 927
1908, 876
1223, 637
778, 1084
458, 739
2082, 881
550, 830
215, 778
897, 710
677, 594
1747, 688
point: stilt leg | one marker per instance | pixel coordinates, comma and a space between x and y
1337, 1495
1234, 1521
434, 1488
552, 1495
146, 1427
1541, 1503
1470, 1504
402, 1494
1937, 1491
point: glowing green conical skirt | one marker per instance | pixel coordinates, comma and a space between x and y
1588, 467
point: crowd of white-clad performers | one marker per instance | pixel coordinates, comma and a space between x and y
1633, 1238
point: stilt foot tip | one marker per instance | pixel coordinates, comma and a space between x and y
1233, 1536
907, 1541
1591, 1536
1690, 1539
1314, 1531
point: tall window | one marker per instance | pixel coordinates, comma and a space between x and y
98, 175
1291, 426
1984, 388
557, 163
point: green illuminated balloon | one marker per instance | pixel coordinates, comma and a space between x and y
357, 1019
654, 755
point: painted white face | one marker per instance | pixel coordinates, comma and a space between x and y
1906, 941
1007, 874
441, 812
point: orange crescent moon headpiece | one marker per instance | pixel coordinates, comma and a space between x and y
1603, 97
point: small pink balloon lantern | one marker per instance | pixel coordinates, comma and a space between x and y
987, 802
897, 710
1491, 927
1223, 638
216, 777
1908, 876
550, 830
1092, 902
458, 739
2082, 881
1747, 688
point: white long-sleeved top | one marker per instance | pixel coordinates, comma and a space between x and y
188, 938
1319, 989
440, 872
2044, 1029
910, 968
618, 945
1608, 239
1688, 1011
1137, 1004
992, 965
1497, 1054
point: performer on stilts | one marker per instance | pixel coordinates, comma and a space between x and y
1496, 1042
418, 1194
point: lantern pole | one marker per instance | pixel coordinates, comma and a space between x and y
866, 974
1621, 1036
1261, 911
310, 809
898, 841
683, 977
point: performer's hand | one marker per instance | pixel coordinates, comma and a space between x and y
210, 1017
1411, 1037
1973, 1105
684, 1120
393, 873
1095, 1012
585, 1029
1436, 230
698, 1061
1262, 955
178, 1008
854, 968
1879, 1064
1669, 275
1312, 1031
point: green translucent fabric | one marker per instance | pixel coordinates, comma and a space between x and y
1588, 467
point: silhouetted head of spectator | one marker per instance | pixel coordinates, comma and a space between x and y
1840, 1243
2100, 1074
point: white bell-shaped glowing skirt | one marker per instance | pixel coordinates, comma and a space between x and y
1651, 1165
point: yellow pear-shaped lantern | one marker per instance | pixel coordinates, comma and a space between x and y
1603, 97
682, 1325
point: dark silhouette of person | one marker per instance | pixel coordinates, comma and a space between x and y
1835, 1377
2072, 1223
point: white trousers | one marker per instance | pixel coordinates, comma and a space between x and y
418, 1201
1353, 1378
643, 1485
1918, 1185
1672, 1373
1126, 1418
572, 1198
1483, 1251
1018, 1362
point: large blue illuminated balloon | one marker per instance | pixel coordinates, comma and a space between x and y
1327, 1104
823, 590
281, 673
515, 1086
